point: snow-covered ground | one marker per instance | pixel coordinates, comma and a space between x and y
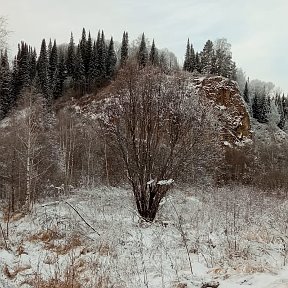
237, 237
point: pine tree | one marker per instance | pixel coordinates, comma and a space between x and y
142, 55
207, 57
124, 49
187, 64
49, 50
198, 67
256, 106
246, 94
5, 85
15, 83
79, 73
88, 54
23, 66
192, 58
224, 66
153, 55
70, 61
42, 71
33, 64
101, 57
53, 64
261, 106
60, 77
111, 60
93, 67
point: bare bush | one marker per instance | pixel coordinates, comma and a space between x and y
156, 121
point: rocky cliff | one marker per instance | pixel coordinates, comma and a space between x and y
224, 95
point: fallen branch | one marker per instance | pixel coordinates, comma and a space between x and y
82, 218
212, 284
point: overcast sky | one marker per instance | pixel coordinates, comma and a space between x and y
257, 29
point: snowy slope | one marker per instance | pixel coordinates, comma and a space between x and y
233, 236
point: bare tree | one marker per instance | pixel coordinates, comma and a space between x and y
3, 33
156, 121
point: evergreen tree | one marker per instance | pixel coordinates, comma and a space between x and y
256, 106
101, 57
224, 66
192, 58
93, 67
53, 65
79, 73
70, 61
261, 106
43, 70
16, 85
198, 67
60, 77
111, 60
33, 64
207, 57
153, 55
187, 60
23, 66
5, 85
88, 54
124, 49
142, 55
49, 50
246, 94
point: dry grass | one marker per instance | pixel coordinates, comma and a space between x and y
45, 236
63, 248
12, 273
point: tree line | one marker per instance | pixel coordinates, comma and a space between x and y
93, 63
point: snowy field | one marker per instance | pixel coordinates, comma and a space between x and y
237, 237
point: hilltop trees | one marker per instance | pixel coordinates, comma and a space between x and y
189, 62
215, 59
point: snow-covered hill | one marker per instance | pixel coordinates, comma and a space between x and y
237, 237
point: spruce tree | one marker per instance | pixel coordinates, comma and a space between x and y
207, 57
246, 93
198, 67
93, 67
192, 58
124, 49
23, 66
187, 64
79, 73
33, 64
111, 60
43, 70
142, 55
101, 58
70, 61
16, 85
53, 65
5, 85
88, 54
60, 77
153, 55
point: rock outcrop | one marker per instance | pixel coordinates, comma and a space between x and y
224, 95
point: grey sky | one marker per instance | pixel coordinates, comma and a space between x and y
257, 29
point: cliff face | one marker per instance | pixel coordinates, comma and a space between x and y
232, 113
